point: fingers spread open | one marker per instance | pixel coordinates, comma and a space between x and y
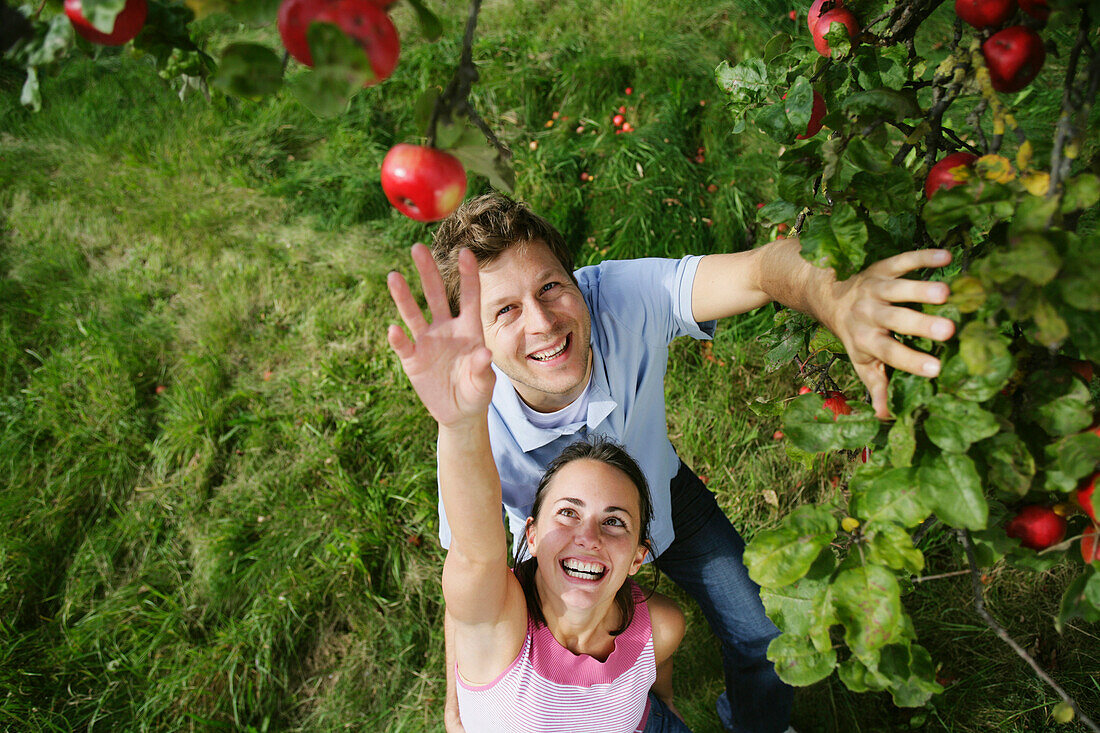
873, 376
914, 323
902, 290
469, 299
435, 295
406, 304
399, 342
906, 359
899, 265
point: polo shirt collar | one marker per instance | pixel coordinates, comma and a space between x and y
509, 406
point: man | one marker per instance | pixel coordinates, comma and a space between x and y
585, 353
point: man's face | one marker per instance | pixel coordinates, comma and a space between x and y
537, 326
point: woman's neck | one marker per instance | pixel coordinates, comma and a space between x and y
582, 630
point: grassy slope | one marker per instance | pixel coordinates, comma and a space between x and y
219, 506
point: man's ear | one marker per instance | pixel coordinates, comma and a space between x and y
531, 535
639, 558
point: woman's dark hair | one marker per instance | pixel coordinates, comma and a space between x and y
612, 454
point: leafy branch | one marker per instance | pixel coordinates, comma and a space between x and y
979, 605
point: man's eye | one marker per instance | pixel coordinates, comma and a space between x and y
505, 309
548, 286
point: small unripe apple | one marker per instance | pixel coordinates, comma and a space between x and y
128, 22
984, 13
837, 403
825, 22
1014, 57
1083, 495
425, 184
1037, 527
945, 173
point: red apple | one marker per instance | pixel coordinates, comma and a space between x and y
1081, 368
425, 184
825, 22
985, 13
817, 8
836, 402
1083, 495
1014, 57
804, 390
947, 174
362, 20
1037, 9
1090, 544
816, 113
127, 23
1037, 527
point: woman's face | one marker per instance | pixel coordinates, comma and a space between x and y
587, 535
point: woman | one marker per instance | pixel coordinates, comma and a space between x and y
567, 642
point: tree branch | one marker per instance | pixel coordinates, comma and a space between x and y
979, 605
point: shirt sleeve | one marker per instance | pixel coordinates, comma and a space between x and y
649, 296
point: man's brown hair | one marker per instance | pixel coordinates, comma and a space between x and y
487, 226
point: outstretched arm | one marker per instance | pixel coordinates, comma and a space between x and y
448, 364
862, 311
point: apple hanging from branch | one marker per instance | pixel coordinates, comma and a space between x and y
364, 21
128, 22
949, 172
985, 13
1037, 527
423, 183
825, 23
1014, 57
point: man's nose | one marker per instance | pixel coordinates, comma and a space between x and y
540, 318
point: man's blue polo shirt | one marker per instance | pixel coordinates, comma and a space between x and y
637, 308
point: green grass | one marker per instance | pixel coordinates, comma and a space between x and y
219, 499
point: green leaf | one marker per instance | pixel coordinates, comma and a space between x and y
773, 122
483, 159
1033, 215
1032, 256
747, 83
1074, 456
954, 424
824, 340
340, 68
902, 441
797, 660
102, 13
430, 25
859, 676
867, 600
1048, 326
798, 104
890, 191
882, 103
840, 44
894, 65
53, 46
777, 211
950, 484
980, 346
867, 158
776, 46
890, 495
254, 12
907, 392
780, 556
836, 241
955, 378
249, 70
1010, 467
911, 673
1084, 329
422, 110
1081, 192
990, 545
967, 293
889, 544
812, 427
31, 94
804, 607
1079, 281
1081, 599
1059, 403
796, 176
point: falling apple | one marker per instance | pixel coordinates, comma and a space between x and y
425, 184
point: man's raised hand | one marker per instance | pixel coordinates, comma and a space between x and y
867, 315
446, 360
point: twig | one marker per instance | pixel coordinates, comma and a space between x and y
979, 605
941, 576
1074, 103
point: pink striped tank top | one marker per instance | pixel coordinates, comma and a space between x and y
548, 689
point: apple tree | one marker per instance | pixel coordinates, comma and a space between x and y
923, 147
345, 45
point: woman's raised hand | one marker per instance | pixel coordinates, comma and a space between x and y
446, 360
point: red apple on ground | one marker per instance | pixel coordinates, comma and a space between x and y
825, 22
837, 403
1083, 495
1014, 57
363, 20
127, 23
1037, 527
985, 13
1090, 544
945, 173
425, 184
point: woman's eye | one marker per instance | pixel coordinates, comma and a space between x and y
615, 522
567, 512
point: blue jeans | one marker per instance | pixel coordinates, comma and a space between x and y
705, 560
661, 719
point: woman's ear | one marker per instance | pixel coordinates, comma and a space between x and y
531, 535
639, 558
